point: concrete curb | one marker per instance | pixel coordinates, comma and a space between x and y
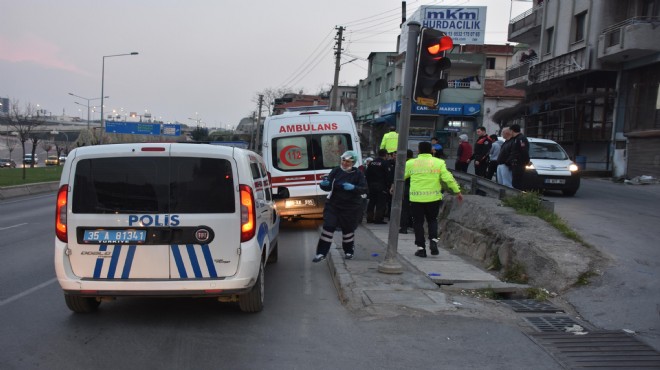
9, 192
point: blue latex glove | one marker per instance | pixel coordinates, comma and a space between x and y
348, 186
324, 183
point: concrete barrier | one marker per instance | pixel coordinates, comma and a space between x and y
8, 192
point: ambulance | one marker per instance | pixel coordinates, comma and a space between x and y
299, 148
164, 220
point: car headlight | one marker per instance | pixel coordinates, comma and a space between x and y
530, 166
572, 167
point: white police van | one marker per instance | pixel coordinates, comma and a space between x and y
299, 149
164, 220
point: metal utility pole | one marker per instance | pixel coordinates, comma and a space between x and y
391, 265
335, 85
256, 147
252, 143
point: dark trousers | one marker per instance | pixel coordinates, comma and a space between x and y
347, 220
429, 212
481, 168
517, 173
377, 205
461, 166
492, 168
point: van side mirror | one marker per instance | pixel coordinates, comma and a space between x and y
282, 193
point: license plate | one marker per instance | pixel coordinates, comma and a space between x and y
295, 203
555, 181
114, 236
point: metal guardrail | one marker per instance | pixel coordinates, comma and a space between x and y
472, 184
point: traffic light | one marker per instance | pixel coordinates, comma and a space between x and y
431, 64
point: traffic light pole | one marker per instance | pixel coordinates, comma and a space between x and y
391, 265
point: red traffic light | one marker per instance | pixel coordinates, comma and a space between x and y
445, 43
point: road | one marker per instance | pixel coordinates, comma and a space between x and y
303, 325
622, 221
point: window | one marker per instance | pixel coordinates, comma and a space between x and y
389, 81
153, 185
549, 34
310, 152
579, 24
379, 86
490, 63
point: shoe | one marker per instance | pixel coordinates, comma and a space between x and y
403, 231
380, 222
434, 249
318, 258
348, 256
421, 252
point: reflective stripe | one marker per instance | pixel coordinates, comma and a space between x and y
129, 262
99, 262
178, 261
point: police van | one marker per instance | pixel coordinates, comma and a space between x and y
299, 149
164, 220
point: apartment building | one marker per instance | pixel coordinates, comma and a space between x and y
591, 78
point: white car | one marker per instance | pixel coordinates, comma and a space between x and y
164, 220
550, 168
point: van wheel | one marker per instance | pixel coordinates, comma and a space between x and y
253, 301
79, 304
272, 258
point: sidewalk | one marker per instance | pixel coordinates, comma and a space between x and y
360, 285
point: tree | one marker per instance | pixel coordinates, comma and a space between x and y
270, 94
25, 122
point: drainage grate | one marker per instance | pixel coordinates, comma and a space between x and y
602, 349
530, 305
555, 323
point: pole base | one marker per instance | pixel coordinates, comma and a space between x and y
390, 266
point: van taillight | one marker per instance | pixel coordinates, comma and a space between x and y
248, 218
60, 214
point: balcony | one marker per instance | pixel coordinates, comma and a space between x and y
516, 75
631, 39
526, 28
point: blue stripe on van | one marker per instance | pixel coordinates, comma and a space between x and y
99, 262
193, 260
261, 234
178, 261
113, 261
129, 262
209, 260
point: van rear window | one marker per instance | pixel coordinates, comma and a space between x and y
153, 185
309, 152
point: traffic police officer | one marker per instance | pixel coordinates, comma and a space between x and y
390, 140
427, 173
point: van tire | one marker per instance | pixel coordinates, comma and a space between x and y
272, 257
79, 304
253, 301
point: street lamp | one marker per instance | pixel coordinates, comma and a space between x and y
103, 81
88, 100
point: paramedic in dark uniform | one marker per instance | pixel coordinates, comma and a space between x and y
343, 209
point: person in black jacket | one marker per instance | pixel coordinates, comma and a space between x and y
481, 152
343, 209
518, 158
378, 180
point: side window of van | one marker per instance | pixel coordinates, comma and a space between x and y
264, 175
258, 180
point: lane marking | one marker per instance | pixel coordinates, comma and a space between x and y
12, 226
29, 291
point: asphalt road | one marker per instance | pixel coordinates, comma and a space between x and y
622, 221
303, 325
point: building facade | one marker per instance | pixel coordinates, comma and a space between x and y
591, 81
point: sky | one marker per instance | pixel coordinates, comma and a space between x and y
199, 60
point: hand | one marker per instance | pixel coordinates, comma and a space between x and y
348, 186
324, 183
460, 197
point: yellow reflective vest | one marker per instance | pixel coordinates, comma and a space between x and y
390, 141
426, 173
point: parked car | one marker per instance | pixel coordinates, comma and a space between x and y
550, 168
6, 162
29, 160
62, 159
51, 160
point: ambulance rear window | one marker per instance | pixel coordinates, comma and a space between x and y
153, 185
309, 152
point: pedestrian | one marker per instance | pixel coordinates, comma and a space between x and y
518, 158
346, 185
390, 140
438, 151
481, 152
406, 220
426, 174
503, 170
464, 154
492, 156
378, 181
